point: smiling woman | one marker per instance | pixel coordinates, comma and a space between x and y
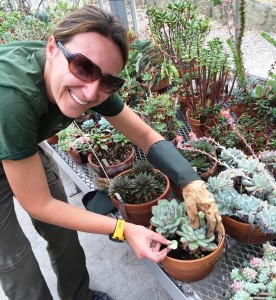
40, 97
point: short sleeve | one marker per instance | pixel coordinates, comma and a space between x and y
112, 106
18, 126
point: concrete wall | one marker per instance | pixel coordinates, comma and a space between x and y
260, 14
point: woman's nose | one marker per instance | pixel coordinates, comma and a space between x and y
91, 90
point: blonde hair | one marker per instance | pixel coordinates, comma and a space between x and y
91, 18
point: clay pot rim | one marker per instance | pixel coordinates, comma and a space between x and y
147, 203
213, 253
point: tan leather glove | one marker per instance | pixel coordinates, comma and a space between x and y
197, 198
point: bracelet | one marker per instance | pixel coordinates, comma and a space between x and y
118, 234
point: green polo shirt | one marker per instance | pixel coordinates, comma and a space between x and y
26, 116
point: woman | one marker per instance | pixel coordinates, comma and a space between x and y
41, 93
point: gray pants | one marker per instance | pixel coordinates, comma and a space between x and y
20, 275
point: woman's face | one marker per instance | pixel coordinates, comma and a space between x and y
72, 95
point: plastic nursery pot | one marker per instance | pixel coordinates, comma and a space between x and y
114, 170
241, 232
196, 269
140, 214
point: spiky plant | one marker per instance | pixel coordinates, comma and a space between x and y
145, 187
144, 184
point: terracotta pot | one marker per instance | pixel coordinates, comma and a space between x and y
193, 270
198, 130
53, 139
241, 232
140, 214
77, 157
238, 109
114, 170
159, 87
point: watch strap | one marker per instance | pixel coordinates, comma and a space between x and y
118, 234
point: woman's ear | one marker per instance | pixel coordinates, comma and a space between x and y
51, 48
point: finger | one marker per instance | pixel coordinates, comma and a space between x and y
157, 237
211, 224
157, 256
218, 228
193, 216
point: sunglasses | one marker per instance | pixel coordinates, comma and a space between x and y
84, 69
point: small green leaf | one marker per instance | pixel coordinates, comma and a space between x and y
173, 245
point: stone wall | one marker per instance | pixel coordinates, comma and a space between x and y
260, 14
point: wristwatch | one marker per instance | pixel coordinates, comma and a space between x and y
118, 234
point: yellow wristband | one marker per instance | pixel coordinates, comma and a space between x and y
118, 234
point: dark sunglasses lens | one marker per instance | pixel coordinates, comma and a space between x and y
110, 84
84, 69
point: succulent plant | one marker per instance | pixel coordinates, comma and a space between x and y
142, 184
87, 125
258, 183
120, 184
195, 239
231, 156
266, 219
145, 185
225, 200
219, 183
268, 157
168, 216
247, 207
256, 278
250, 165
204, 145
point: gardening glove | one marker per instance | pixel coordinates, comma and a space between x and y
197, 198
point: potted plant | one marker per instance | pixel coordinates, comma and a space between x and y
75, 143
200, 153
248, 133
140, 188
160, 112
245, 194
255, 279
111, 152
180, 33
194, 254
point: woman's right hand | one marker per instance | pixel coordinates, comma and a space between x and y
146, 243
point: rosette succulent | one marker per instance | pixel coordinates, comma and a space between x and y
255, 278
168, 216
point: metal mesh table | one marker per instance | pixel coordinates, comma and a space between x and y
210, 288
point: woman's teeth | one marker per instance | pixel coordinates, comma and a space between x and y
76, 98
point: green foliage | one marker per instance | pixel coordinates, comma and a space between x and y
142, 187
255, 278
67, 136
22, 23
167, 217
247, 190
160, 112
171, 220
194, 240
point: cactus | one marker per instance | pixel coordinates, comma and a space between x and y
167, 216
